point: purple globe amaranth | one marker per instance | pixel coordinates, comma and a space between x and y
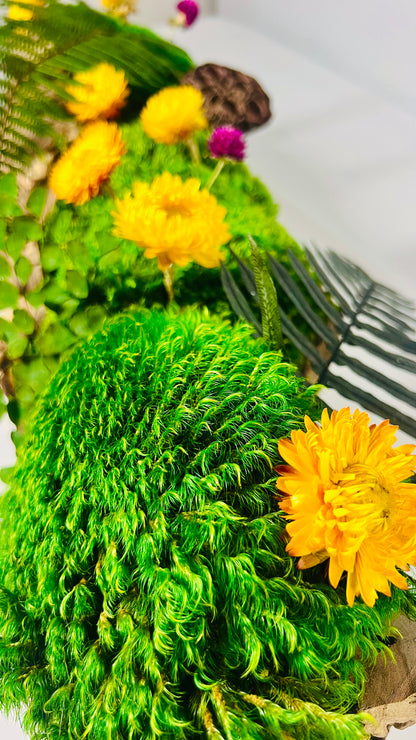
227, 142
190, 9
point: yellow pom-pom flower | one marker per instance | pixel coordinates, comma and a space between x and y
17, 13
101, 93
174, 114
120, 7
174, 221
77, 175
346, 501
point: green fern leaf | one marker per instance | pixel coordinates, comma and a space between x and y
38, 59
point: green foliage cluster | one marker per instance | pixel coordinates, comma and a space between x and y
145, 588
123, 270
88, 273
249, 205
38, 58
19, 303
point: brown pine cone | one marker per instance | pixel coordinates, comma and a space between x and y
231, 97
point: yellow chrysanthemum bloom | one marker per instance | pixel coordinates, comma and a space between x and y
77, 175
347, 502
174, 114
101, 93
17, 13
120, 7
174, 221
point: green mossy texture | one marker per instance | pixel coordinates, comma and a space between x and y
119, 269
250, 207
145, 589
90, 274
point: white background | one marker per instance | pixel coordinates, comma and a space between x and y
158, 11
370, 41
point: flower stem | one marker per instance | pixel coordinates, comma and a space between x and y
194, 150
107, 190
215, 173
170, 37
168, 282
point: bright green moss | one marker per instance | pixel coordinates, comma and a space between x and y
250, 208
145, 589
90, 274
119, 268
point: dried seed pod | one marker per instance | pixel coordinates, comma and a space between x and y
232, 98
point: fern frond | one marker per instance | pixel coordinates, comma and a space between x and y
37, 59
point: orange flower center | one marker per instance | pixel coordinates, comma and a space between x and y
363, 496
174, 206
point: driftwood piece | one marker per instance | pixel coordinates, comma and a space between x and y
390, 695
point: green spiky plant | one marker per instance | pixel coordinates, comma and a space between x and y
145, 588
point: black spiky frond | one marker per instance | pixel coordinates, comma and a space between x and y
365, 330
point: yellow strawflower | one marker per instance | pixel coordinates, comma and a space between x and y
77, 175
101, 93
174, 221
120, 7
174, 114
346, 501
17, 13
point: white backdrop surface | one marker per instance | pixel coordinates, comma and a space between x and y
339, 157
370, 41
157, 11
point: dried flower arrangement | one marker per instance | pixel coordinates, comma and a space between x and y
190, 547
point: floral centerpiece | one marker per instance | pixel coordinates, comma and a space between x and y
190, 545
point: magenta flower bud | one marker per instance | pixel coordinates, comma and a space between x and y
190, 10
227, 142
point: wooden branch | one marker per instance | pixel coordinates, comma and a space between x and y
390, 695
